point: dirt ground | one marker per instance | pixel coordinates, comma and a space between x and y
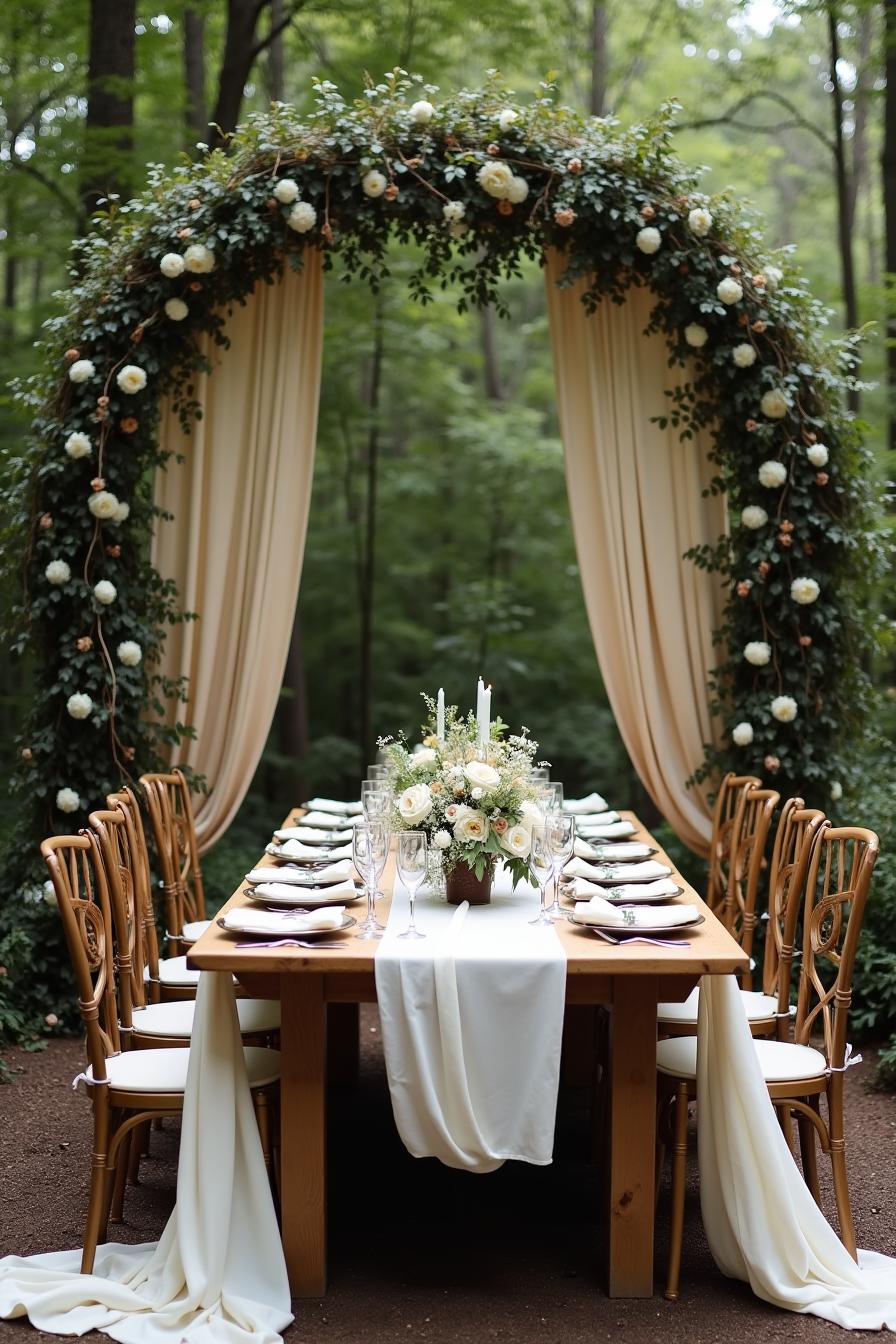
418, 1252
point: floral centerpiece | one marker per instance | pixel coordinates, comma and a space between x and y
471, 794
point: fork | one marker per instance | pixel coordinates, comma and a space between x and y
296, 942
639, 938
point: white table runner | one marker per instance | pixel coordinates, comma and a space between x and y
472, 1021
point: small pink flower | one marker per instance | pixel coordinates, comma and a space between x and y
772, 764
564, 217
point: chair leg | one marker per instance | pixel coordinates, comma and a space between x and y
676, 1216
809, 1156
263, 1119
786, 1123
119, 1178
96, 1209
841, 1194
139, 1145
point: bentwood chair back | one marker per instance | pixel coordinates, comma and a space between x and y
746, 863
795, 839
171, 814
724, 812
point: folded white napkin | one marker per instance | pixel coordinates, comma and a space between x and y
583, 890
332, 805
294, 849
312, 833
599, 911
274, 891
248, 919
617, 830
622, 851
636, 872
302, 877
586, 850
585, 820
329, 820
592, 803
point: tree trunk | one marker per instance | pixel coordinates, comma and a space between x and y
276, 80
109, 124
491, 369
888, 166
844, 233
864, 93
194, 75
367, 570
236, 65
600, 24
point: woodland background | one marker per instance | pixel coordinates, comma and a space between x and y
439, 546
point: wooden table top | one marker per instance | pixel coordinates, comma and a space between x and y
711, 950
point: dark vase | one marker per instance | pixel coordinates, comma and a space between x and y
462, 884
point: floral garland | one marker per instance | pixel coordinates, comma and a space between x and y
476, 183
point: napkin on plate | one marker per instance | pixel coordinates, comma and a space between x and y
583, 890
294, 849
593, 803
343, 891
622, 852
249, 919
332, 805
584, 850
601, 912
312, 833
616, 830
301, 877
329, 820
585, 820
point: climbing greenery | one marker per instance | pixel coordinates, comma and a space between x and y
477, 182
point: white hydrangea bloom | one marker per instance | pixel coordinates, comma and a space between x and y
58, 572
754, 516
784, 708
774, 404
696, 335
121, 512
495, 178
648, 240
79, 705
442, 839
129, 652
772, 474
82, 370
744, 355
77, 445
729, 290
302, 217
758, 652
453, 212
700, 221
804, 591
817, 454
742, 734
373, 183
199, 259
518, 190
131, 379
105, 592
172, 265
507, 118
103, 504
67, 800
176, 309
286, 191
422, 111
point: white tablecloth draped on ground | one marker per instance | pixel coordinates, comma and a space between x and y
472, 1020
217, 1275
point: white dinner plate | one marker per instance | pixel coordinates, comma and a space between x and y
610, 874
276, 853
634, 852
633, 930
313, 899
298, 877
636, 897
289, 930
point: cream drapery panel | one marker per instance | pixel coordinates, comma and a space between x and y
240, 508
635, 495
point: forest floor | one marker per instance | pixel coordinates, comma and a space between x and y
419, 1252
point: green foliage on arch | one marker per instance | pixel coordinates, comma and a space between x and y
477, 181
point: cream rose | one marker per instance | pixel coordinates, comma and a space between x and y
131, 379
742, 734
176, 309
82, 370
836, 791
744, 355
700, 221
424, 757
486, 776
302, 217
415, 804
471, 827
784, 708
648, 240
442, 839
67, 800
121, 513
754, 516
199, 259
774, 404
772, 474
729, 291
804, 591
758, 652
453, 212
103, 504
495, 179
373, 184
695, 335
77, 445
286, 191
518, 190
105, 592
58, 572
773, 277
817, 454
79, 705
129, 653
172, 265
517, 840
507, 118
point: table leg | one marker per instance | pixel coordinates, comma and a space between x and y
632, 1136
303, 1132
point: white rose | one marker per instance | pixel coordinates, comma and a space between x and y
700, 222
742, 734
757, 652
121, 513
79, 705
453, 212
754, 516
804, 591
176, 309
774, 404
422, 112
302, 217
373, 183
517, 840
744, 355
415, 804
77, 445
67, 800
476, 794
172, 265
507, 118
518, 190
81, 370
129, 653
105, 592
772, 474
199, 258
729, 291
784, 708
471, 827
836, 791
442, 839
818, 454
486, 776
696, 335
531, 814
425, 756
286, 191
495, 178
131, 379
649, 240
57, 571
103, 504
773, 277
455, 810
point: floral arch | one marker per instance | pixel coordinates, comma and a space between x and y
476, 182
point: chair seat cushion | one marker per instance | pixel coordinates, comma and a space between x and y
174, 971
193, 931
166, 1070
758, 1006
780, 1061
176, 1019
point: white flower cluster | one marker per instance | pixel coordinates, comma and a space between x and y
374, 183
131, 379
695, 335
758, 653
754, 516
774, 404
744, 355
648, 240
129, 653
699, 221
79, 705
772, 474
742, 734
105, 592
67, 800
729, 291
77, 445
82, 371
804, 591
199, 259
784, 708
817, 454
498, 179
58, 572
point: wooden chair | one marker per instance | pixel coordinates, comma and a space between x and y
768, 1011
723, 815
749, 835
128, 1088
171, 814
797, 1074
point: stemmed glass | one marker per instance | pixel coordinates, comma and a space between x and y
377, 772
376, 799
370, 845
556, 791
561, 833
412, 856
541, 866
539, 774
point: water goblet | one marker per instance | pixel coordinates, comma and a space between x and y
370, 844
561, 834
539, 774
376, 799
541, 866
555, 788
412, 857
377, 772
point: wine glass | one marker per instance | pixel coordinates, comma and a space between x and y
412, 858
539, 774
555, 788
377, 772
376, 799
561, 833
541, 866
370, 845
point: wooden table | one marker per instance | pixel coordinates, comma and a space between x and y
629, 980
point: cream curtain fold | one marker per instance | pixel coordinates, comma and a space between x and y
234, 546
635, 494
